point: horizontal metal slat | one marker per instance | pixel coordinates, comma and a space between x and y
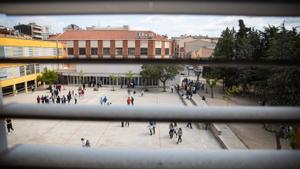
146, 113
45, 156
217, 7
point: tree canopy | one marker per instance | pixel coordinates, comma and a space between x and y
160, 72
48, 76
274, 86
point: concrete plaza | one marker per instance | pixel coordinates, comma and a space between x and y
107, 134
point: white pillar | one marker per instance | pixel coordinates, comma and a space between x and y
15, 92
26, 87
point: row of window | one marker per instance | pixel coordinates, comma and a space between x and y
118, 51
16, 52
139, 81
14, 72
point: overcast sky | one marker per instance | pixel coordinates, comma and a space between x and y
172, 25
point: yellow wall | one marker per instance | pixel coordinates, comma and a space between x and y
10, 82
35, 43
29, 43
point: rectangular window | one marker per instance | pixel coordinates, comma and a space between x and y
70, 51
81, 51
106, 51
157, 51
22, 71
131, 51
29, 69
94, 51
37, 68
167, 51
144, 51
119, 51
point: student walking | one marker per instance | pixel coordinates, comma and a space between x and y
150, 126
189, 125
9, 125
128, 100
38, 99
179, 136
87, 143
171, 130
132, 100
75, 98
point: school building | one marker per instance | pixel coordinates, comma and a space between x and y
16, 78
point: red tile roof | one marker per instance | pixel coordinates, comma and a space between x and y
105, 35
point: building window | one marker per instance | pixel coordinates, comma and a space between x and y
167, 51
106, 51
81, 51
144, 51
119, 51
37, 68
131, 51
22, 71
157, 51
70, 51
29, 69
94, 51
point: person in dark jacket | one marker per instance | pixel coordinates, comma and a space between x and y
9, 125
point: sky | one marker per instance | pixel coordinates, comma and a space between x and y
170, 25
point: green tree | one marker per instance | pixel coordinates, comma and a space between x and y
113, 78
130, 75
284, 45
225, 47
160, 72
49, 76
211, 76
243, 49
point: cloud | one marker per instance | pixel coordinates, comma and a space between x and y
172, 25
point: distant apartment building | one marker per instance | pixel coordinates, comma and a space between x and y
112, 44
124, 27
33, 30
71, 27
203, 50
19, 77
199, 48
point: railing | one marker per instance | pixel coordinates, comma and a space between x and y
42, 156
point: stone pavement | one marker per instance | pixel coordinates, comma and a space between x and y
254, 136
222, 131
106, 134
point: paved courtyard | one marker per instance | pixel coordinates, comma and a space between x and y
107, 134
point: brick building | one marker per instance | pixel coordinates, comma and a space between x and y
120, 44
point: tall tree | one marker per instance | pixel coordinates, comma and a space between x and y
243, 49
225, 47
160, 72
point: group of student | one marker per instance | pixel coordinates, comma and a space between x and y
174, 130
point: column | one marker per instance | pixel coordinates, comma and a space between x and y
35, 84
26, 87
3, 138
15, 89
